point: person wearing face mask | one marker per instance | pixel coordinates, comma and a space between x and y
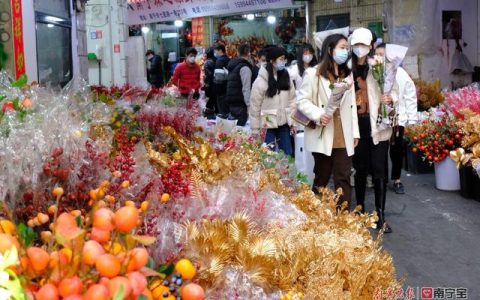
272, 101
187, 74
261, 62
220, 79
407, 115
239, 85
305, 59
372, 151
155, 72
208, 69
333, 149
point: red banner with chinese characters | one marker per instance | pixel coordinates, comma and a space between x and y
17, 29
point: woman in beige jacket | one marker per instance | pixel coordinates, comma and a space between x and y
272, 101
334, 139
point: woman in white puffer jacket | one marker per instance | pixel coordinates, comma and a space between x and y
305, 59
272, 101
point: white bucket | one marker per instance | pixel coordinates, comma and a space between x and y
447, 176
303, 159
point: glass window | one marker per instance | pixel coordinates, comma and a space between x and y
54, 54
57, 8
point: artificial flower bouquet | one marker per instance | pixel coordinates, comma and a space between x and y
384, 70
465, 98
428, 94
435, 136
469, 154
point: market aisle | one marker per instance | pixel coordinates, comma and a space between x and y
436, 236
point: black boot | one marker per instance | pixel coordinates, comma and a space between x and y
380, 198
360, 187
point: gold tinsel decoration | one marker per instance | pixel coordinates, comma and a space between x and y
470, 128
211, 166
330, 256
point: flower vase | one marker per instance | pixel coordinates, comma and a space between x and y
447, 176
470, 183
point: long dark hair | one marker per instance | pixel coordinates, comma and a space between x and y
300, 64
326, 66
281, 84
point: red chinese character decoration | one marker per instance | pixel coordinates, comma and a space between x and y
17, 24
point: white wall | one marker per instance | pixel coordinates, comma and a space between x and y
29, 39
109, 17
437, 66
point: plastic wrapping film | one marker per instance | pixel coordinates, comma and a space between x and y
412, 23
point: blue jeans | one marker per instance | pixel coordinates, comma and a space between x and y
279, 139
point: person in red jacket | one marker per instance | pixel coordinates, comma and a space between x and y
187, 74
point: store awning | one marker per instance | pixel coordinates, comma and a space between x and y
153, 11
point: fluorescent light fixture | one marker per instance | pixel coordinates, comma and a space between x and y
338, 1
250, 17
178, 23
53, 19
50, 25
169, 35
271, 19
145, 29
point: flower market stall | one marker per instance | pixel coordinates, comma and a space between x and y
127, 193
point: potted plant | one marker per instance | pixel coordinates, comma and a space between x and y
434, 138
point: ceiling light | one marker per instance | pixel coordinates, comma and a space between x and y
178, 23
271, 19
145, 29
250, 17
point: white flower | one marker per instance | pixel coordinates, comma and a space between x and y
9, 258
5, 294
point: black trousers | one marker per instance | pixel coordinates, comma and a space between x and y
341, 165
239, 112
369, 157
397, 152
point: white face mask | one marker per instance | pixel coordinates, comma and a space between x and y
191, 59
361, 51
307, 58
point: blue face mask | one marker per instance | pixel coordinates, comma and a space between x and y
340, 56
216, 54
280, 66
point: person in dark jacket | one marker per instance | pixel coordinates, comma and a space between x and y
155, 72
220, 78
239, 86
209, 68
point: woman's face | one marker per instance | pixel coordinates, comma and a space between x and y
361, 50
341, 45
307, 52
279, 63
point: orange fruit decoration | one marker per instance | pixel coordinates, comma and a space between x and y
39, 258
103, 219
192, 291
57, 192
108, 265
73, 297
125, 184
65, 220
165, 198
47, 292
138, 258
92, 250
144, 206
70, 286
52, 209
97, 292
7, 241
126, 219
115, 283
101, 236
186, 269
138, 282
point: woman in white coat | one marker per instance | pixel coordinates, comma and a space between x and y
305, 59
272, 101
333, 149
